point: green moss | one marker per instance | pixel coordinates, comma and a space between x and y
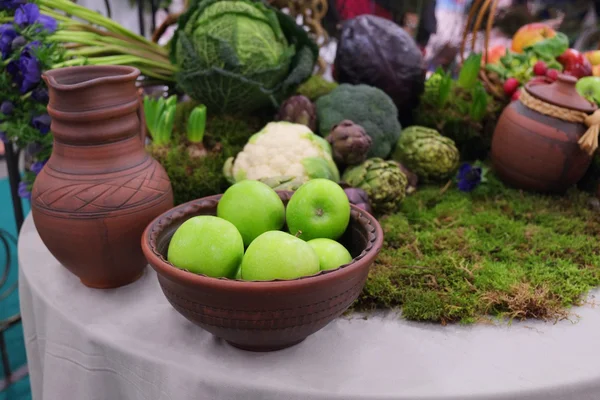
315, 87
462, 257
192, 178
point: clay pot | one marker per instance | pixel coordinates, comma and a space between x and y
261, 316
536, 152
99, 189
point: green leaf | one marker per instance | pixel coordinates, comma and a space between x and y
197, 124
469, 73
445, 89
550, 48
478, 107
498, 69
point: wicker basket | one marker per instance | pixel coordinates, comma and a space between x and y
476, 17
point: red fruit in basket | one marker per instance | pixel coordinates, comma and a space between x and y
540, 68
516, 95
552, 74
575, 63
510, 86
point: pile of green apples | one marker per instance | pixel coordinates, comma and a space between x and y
245, 241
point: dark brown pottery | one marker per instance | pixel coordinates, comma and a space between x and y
261, 316
100, 188
537, 152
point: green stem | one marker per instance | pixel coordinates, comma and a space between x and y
146, 67
112, 49
6, 19
95, 18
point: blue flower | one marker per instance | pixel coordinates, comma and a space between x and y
3, 137
40, 94
469, 177
7, 107
10, 4
26, 72
7, 35
48, 23
37, 166
42, 123
29, 14
24, 191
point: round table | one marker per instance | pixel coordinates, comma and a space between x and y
130, 344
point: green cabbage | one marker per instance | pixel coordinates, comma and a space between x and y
239, 55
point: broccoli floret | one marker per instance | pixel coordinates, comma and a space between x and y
366, 106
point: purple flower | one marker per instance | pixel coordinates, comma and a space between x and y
7, 35
29, 14
24, 192
26, 72
3, 137
469, 177
48, 23
40, 94
10, 4
37, 166
7, 107
42, 123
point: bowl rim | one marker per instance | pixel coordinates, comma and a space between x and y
166, 269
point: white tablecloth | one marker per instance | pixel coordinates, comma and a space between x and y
130, 344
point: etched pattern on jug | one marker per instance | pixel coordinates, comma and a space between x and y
104, 195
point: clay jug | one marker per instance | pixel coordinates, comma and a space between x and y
99, 189
536, 142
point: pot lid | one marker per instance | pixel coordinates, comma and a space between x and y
561, 93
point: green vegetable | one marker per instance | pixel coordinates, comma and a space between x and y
197, 124
240, 55
465, 116
160, 118
283, 150
315, 87
366, 106
427, 153
382, 180
478, 103
550, 48
469, 73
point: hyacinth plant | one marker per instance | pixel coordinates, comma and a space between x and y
39, 35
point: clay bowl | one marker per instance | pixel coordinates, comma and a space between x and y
261, 316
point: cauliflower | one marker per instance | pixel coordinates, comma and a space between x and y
283, 150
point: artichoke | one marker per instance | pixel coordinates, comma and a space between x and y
299, 110
427, 153
382, 180
349, 142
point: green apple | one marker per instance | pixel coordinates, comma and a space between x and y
318, 209
332, 254
207, 245
278, 255
253, 207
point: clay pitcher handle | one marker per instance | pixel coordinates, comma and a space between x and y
142, 117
